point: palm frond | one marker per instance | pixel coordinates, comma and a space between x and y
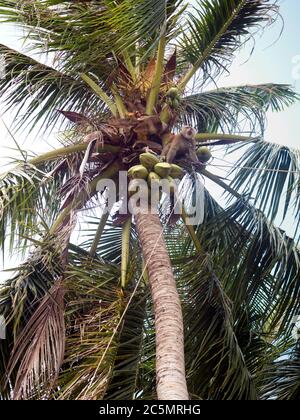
282, 377
257, 262
270, 173
20, 297
94, 308
110, 244
125, 381
217, 28
39, 349
229, 109
35, 91
89, 33
24, 193
216, 365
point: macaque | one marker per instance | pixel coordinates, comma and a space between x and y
181, 145
149, 125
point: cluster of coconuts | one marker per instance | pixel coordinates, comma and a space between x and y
173, 98
152, 169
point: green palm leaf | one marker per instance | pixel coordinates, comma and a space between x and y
20, 298
216, 28
227, 108
36, 91
216, 364
270, 173
282, 379
260, 264
93, 311
88, 33
129, 358
23, 194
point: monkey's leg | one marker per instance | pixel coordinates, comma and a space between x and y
165, 152
193, 156
171, 154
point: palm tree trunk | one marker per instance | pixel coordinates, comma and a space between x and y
170, 366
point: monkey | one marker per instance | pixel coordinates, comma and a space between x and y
149, 126
181, 145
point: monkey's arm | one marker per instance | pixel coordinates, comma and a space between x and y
165, 150
192, 152
193, 155
172, 152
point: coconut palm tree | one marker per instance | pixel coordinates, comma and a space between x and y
210, 305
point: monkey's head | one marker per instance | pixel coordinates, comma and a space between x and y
188, 132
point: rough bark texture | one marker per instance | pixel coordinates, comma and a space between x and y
170, 366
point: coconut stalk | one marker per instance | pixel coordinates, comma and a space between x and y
84, 195
219, 182
129, 65
218, 136
69, 150
192, 232
119, 103
156, 83
100, 92
99, 233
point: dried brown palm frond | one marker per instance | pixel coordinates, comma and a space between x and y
39, 349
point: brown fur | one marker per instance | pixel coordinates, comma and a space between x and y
148, 126
181, 145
